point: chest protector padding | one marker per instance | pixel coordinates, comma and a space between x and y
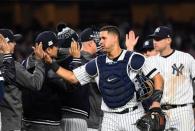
114, 83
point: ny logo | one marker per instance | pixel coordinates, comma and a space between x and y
177, 70
157, 30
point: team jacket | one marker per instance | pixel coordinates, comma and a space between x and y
75, 99
41, 106
37, 96
11, 105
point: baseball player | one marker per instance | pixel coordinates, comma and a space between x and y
114, 74
148, 48
10, 107
89, 50
75, 103
178, 71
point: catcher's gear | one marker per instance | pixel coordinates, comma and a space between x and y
146, 87
157, 95
154, 120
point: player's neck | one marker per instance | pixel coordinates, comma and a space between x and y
166, 51
114, 53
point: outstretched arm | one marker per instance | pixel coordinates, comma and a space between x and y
63, 73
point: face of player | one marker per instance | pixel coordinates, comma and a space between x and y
52, 51
149, 53
12, 46
107, 41
161, 44
91, 46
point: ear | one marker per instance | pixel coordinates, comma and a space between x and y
169, 40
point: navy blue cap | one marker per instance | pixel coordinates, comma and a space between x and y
9, 35
86, 35
65, 36
48, 39
162, 32
148, 45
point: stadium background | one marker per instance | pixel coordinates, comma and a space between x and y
29, 17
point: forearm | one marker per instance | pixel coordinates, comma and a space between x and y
29, 80
158, 90
64, 73
8, 69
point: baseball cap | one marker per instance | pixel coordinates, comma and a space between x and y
147, 45
86, 35
48, 39
65, 35
162, 32
9, 35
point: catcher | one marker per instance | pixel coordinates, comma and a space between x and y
154, 119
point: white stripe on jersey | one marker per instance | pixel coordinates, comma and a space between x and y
84, 78
177, 70
1, 77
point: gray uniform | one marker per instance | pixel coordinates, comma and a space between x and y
11, 106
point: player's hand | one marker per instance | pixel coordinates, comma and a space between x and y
38, 50
75, 50
131, 40
47, 58
5, 47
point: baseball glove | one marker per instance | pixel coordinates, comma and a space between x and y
154, 120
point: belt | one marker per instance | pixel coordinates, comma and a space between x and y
127, 110
167, 107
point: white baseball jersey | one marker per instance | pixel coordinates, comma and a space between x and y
178, 71
84, 78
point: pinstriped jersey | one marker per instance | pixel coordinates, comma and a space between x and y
84, 78
178, 71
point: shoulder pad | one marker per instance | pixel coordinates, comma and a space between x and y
136, 61
91, 68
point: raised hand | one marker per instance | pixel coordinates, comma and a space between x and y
74, 49
5, 47
131, 40
38, 50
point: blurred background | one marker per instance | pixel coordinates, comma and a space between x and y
30, 17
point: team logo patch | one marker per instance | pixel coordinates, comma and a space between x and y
177, 70
157, 30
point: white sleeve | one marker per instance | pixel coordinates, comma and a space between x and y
192, 67
81, 75
149, 68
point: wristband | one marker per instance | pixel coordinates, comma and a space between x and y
54, 66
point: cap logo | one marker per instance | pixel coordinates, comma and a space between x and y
146, 43
157, 29
50, 43
65, 33
7, 39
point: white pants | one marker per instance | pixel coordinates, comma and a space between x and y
122, 122
181, 118
91, 129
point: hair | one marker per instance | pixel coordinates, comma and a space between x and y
111, 29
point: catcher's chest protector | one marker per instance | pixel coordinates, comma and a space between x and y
114, 83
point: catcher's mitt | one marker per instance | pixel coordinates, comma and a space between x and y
154, 120
146, 87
